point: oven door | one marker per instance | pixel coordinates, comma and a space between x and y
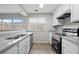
56, 45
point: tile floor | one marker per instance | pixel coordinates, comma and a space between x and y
41, 48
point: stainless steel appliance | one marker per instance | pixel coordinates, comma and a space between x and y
31, 41
70, 41
56, 42
71, 31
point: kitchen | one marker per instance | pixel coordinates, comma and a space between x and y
39, 29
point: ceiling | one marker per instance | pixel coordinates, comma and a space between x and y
8, 8
48, 8
27, 8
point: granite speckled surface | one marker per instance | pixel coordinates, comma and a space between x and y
4, 44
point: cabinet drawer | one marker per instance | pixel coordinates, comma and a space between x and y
69, 45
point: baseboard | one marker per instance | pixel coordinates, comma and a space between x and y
40, 42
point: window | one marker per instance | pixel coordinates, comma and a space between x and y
18, 24
11, 24
7, 21
0, 24
37, 24
37, 20
0, 21
7, 24
17, 21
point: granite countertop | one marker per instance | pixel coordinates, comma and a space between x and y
4, 44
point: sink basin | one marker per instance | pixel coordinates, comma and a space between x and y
11, 38
20, 35
16, 37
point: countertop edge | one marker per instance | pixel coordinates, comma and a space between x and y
10, 44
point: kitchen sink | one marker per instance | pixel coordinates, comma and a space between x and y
16, 37
20, 35
10, 38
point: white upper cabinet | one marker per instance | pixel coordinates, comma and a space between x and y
58, 12
55, 22
62, 9
74, 12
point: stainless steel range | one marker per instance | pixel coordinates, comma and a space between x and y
71, 31
56, 42
70, 41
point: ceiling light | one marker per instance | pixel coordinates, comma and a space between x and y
41, 5
36, 10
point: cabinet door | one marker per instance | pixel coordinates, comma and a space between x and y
66, 51
69, 47
62, 49
22, 50
12, 50
55, 22
74, 12
62, 9
22, 46
28, 44
54, 19
59, 12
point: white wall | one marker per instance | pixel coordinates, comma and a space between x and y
42, 37
48, 17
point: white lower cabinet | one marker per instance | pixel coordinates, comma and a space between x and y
69, 47
12, 50
24, 46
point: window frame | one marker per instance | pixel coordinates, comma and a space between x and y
17, 22
37, 20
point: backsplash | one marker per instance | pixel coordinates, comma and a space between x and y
66, 24
11, 33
